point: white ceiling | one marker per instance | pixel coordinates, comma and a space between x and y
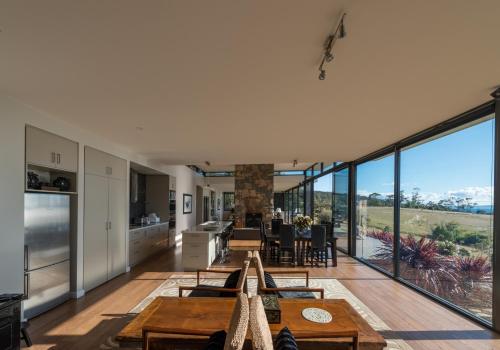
233, 81
277, 167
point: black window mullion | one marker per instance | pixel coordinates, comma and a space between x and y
496, 218
397, 209
352, 210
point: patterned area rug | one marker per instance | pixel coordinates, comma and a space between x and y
333, 290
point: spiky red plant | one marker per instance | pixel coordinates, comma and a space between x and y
473, 268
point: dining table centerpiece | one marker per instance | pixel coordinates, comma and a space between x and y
303, 223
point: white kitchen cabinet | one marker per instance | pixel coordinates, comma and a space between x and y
146, 241
51, 151
105, 211
116, 231
95, 240
104, 164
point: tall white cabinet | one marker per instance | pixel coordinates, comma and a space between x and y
105, 210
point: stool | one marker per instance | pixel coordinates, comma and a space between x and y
25, 335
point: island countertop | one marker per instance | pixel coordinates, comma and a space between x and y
209, 227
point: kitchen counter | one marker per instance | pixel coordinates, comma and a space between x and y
138, 227
201, 244
209, 227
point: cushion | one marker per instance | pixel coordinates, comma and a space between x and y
231, 282
216, 341
196, 293
285, 340
269, 280
238, 324
261, 334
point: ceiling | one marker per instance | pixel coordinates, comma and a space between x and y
233, 81
277, 167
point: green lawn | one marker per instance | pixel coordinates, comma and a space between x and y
420, 222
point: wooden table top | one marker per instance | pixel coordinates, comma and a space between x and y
208, 315
204, 316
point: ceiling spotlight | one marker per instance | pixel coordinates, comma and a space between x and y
342, 33
328, 55
295, 163
207, 163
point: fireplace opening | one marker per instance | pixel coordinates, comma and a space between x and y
253, 220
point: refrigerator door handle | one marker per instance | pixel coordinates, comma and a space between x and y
26, 286
26, 258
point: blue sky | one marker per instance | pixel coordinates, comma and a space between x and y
459, 164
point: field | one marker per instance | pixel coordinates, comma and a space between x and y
420, 222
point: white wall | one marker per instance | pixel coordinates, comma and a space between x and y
13, 117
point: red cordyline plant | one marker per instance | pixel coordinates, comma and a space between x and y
424, 265
474, 268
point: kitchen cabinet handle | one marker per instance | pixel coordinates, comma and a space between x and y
53, 157
58, 158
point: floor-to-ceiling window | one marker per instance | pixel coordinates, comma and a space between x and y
300, 205
323, 199
375, 211
446, 218
287, 206
341, 208
308, 198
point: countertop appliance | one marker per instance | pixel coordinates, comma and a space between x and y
10, 321
46, 251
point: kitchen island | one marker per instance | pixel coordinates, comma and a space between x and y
201, 244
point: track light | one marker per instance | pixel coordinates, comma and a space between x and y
328, 55
342, 33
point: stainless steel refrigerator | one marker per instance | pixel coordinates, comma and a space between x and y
46, 251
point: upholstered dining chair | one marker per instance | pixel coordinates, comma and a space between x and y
231, 339
267, 246
236, 283
318, 248
287, 242
267, 285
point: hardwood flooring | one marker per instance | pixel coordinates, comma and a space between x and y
86, 323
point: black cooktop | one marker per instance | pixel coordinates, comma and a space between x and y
4, 298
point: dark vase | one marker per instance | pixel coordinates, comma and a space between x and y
62, 183
33, 181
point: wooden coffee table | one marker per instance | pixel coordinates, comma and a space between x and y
178, 317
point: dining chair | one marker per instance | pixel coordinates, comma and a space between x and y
287, 242
318, 245
275, 226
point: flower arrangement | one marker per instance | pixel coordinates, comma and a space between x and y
302, 222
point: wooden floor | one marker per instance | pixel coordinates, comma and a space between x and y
86, 323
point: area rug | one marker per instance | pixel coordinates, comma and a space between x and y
333, 290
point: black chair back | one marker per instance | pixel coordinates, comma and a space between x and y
262, 231
318, 237
275, 226
287, 236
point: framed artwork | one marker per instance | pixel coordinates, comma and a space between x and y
187, 207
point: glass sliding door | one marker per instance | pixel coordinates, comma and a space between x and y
323, 200
286, 205
446, 218
375, 211
341, 208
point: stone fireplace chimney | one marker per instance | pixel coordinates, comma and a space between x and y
253, 191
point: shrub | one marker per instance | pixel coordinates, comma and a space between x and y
449, 231
463, 252
473, 238
473, 268
447, 248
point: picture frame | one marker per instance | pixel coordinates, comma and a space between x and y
187, 203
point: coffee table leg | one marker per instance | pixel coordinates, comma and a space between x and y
354, 343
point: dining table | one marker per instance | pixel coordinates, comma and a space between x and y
302, 241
